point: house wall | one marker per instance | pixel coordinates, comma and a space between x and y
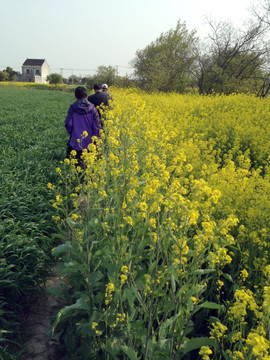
37, 74
45, 72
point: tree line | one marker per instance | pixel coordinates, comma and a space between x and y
105, 75
230, 60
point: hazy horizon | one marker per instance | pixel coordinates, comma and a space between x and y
82, 36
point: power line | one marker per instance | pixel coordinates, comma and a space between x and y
72, 70
79, 69
127, 67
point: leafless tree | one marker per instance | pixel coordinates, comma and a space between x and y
232, 57
261, 11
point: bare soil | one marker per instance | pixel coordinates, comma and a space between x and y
38, 345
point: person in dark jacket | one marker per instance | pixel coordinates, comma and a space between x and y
99, 99
82, 122
105, 91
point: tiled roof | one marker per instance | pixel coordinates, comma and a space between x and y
33, 62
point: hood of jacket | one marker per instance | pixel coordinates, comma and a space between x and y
82, 106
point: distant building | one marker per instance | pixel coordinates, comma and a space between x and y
35, 70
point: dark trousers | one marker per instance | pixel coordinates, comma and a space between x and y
78, 155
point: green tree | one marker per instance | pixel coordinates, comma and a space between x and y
3, 76
11, 73
124, 82
105, 75
86, 79
166, 64
73, 79
8, 74
55, 79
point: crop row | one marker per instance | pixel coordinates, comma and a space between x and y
32, 144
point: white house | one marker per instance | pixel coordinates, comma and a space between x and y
35, 70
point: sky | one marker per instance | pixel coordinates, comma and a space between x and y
75, 37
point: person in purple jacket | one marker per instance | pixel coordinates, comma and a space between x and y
82, 122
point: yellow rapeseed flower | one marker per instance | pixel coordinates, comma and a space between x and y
244, 274
50, 186
129, 220
124, 269
108, 293
123, 278
259, 345
58, 170
75, 217
218, 331
204, 352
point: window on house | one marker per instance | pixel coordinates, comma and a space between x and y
37, 72
27, 71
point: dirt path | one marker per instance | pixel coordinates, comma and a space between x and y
38, 322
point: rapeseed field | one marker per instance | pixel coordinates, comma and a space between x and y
168, 248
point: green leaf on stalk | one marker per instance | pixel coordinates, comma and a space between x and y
112, 347
62, 249
68, 312
167, 324
139, 298
129, 296
204, 271
55, 291
214, 319
196, 343
73, 223
132, 355
165, 345
173, 283
212, 305
161, 355
228, 277
95, 277
58, 236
